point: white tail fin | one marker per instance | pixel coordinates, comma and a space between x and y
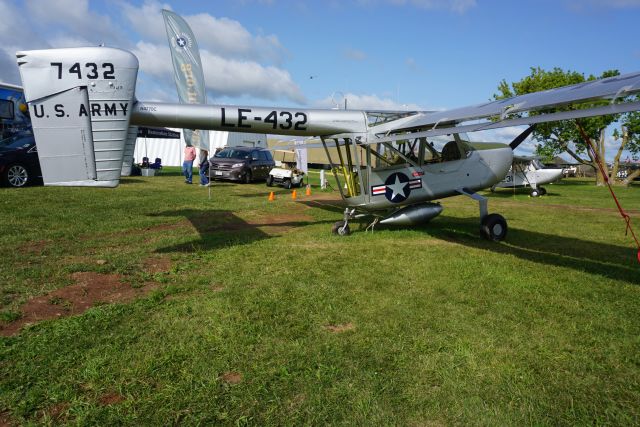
80, 102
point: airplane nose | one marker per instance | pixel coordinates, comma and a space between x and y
498, 160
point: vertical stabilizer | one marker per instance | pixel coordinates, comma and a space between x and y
80, 102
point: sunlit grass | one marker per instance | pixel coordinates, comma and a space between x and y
424, 326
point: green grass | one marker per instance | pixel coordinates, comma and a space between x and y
443, 328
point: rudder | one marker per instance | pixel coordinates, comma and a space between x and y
80, 102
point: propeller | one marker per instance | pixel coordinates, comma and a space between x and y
518, 139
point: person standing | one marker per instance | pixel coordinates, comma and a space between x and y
187, 165
204, 167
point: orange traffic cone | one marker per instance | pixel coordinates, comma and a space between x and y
272, 197
294, 195
308, 192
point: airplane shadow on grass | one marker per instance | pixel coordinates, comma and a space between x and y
614, 262
219, 229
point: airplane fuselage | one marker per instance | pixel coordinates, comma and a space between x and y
406, 184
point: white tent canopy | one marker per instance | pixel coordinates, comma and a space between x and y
170, 151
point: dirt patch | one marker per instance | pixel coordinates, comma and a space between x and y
34, 248
231, 377
110, 398
216, 287
336, 329
57, 412
157, 264
90, 289
5, 420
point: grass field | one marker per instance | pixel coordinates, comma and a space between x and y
238, 311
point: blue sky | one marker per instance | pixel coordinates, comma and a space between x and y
426, 54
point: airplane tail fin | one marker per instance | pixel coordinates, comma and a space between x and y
80, 102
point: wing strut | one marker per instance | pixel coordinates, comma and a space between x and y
625, 216
520, 138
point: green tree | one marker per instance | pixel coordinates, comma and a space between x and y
564, 136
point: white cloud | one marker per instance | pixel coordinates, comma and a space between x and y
365, 102
14, 38
147, 19
224, 76
232, 77
222, 36
75, 20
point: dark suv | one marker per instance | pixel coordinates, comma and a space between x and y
19, 165
243, 164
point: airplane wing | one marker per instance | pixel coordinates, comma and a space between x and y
511, 111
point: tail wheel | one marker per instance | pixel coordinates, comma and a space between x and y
341, 228
17, 176
493, 227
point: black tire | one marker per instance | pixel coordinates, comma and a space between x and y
341, 229
542, 191
493, 227
246, 177
301, 183
287, 184
535, 192
269, 181
17, 176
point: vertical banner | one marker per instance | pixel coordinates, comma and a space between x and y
187, 71
301, 156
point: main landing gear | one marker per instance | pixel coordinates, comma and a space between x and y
492, 226
341, 228
538, 191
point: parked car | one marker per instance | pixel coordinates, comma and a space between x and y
19, 165
244, 164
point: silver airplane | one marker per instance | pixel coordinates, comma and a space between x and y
389, 165
528, 171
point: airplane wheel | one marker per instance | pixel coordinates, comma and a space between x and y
341, 229
535, 193
493, 227
542, 191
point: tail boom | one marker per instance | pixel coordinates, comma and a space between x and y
277, 121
